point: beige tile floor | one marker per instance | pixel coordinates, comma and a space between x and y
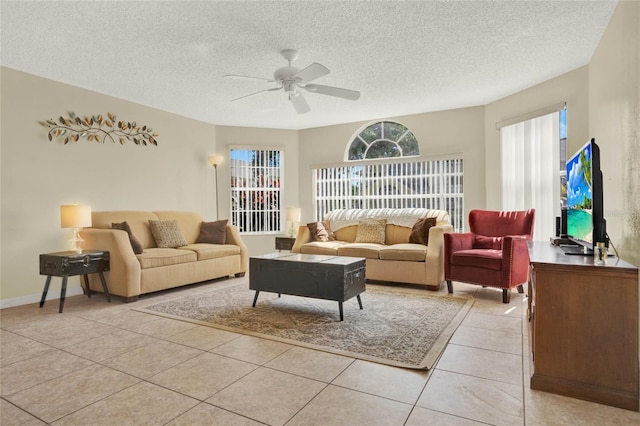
101, 363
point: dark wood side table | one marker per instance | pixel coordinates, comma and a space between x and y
69, 263
285, 243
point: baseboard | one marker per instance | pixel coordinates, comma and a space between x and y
588, 392
53, 294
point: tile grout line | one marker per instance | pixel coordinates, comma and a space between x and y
523, 336
525, 342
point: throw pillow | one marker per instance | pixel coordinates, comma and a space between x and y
321, 232
371, 231
135, 244
420, 230
167, 233
213, 232
491, 243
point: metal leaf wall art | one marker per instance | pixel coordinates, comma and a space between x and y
98, 128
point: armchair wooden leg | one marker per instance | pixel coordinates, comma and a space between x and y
449, 286
521, 289
506, 295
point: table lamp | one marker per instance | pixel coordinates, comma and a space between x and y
77, 217
293, 216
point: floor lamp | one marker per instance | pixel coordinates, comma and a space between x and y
214, 160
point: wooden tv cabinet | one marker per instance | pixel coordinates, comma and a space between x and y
583, 327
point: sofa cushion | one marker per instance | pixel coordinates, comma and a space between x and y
322, 247
138, 222
167, 233
135, 244
482, 242
420, 230
213, 232
348, 234
189, 222
213, 251
371, 231
481, 258
321, 232
395, 234
407, 252
158, 257
405, 217
366, 250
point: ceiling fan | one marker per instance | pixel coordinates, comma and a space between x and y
293, 80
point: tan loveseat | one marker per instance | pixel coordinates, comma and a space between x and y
396, 260
160, 268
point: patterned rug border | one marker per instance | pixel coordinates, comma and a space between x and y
427, 363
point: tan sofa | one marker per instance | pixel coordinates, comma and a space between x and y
396, 260
156, 268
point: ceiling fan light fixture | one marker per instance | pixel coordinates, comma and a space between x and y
289, 86
294, 94
292, 80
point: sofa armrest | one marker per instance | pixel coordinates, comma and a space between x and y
435, 253
233, 237
454, 242
124, 273
303, 237
515, 260
435, 249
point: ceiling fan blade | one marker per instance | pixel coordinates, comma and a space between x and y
256, 93
313, 71
299, 103
352, 95
247, 76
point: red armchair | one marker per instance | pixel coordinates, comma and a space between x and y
493, 254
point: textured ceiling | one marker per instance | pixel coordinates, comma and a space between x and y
404, 57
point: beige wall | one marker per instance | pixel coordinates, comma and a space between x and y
614, 120
570, 88
227, 136
38, 176
438, 133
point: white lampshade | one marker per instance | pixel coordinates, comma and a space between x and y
293, 214
215, 159
75, 216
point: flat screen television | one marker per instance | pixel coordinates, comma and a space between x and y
585, 211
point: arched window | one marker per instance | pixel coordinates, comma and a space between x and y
384, 139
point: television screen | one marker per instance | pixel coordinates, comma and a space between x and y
580, 195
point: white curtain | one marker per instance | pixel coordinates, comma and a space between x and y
531, 170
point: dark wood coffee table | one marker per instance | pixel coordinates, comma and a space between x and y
337, 278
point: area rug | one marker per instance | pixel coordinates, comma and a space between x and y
402, 327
